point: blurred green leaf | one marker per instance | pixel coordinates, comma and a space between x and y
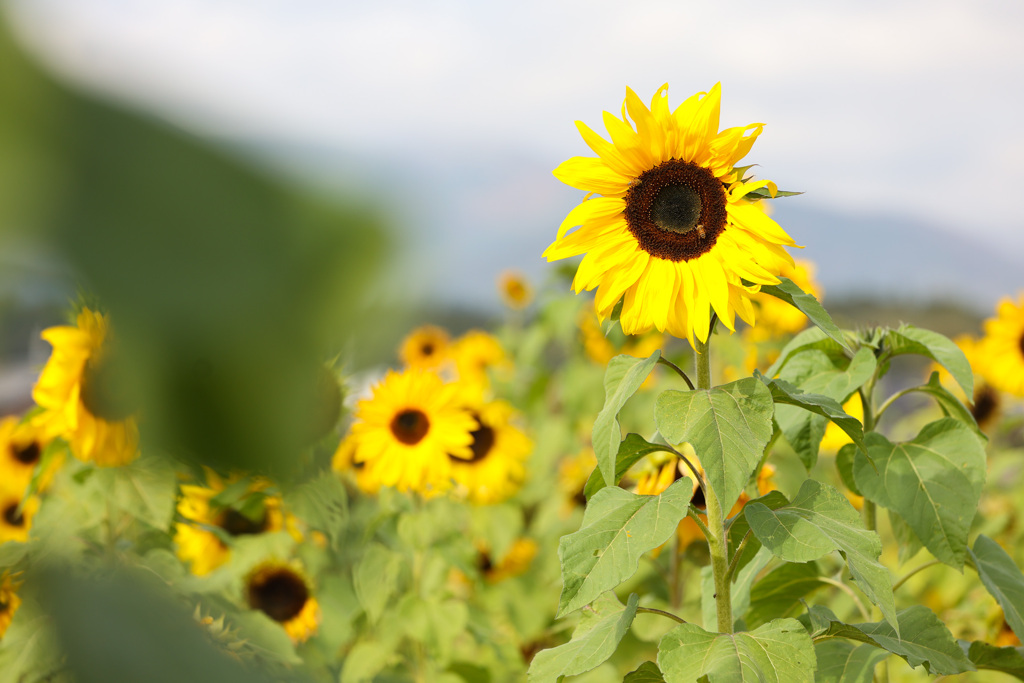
624, 376
1003, 579
601, 627
1009, 660
778, 594
321, 503
648, 672
840, 661
376, 579
934, 482
728, 427
618, 527
145, 489
365, 660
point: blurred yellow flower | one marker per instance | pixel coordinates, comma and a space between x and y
21, 450
835, 438
1003, 348
9, 600
15, 516
282, 592
515, 562
425, 347
496, 468
515, 290
79, 401
477, 354
673, 232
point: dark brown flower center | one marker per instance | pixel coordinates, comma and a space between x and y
280, 594
427, 349
484, 562
105, 391
410, 426
1020, 344
13, 516
986, 403
676, 210
28, 454
483, 442
238, 524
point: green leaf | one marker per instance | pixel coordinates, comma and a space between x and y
739, 527
632, 449
811, 339
648, 672
950, 404
818, 521
1009, 660
765, 193
785, 393
840, 661
778, 594
1002, 578
618, 527
376, 579
145, 489
790, 292
321, 503
910, 339
602, 627
779, 652
934, 482
844, 464
624, 376
728, 427
365, 660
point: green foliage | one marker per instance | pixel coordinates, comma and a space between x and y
618, 527
624, 376
780, 592
1002, 578
632, 449
376, 579
1009, 660
780, 652
790, 292
648, 672
601, 627
818, 521
728, 427
840, 661
910, 339
934, 482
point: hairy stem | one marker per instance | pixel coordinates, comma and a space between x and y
651, 610
903, 579
679, 371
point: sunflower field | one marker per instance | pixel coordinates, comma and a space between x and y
666, 463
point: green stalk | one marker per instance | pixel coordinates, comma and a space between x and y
716, 520
867, 393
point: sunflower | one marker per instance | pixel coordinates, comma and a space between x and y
775, 317
198, 545
344, 461
495, 470
15, 515
282, 592
834, 437
515, 290
9, 600
515, 562
21, 450
476, 354
425, 347
573, 473
599, 348
1003, 345
407, 430
78, 394
673, 233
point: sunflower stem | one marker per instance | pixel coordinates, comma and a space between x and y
716, 520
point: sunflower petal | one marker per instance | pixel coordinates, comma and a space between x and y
591, 175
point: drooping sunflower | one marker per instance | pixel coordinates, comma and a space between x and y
407, 430
673, 233
78, 394
282, 592
496, 468
9, 600
194, 539
15, 516
515, 290
1003, 346
425, 347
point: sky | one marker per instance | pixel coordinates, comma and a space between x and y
456, 112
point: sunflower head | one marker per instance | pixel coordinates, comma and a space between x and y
425, 347
515, 562
21, 450
477, 354
9, 600
16, 515
495, 468
1003, 347
282, 592
515, 290
674, 233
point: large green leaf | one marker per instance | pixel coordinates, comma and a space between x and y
376, 579
950, 404
623, 377
840, 661
818, 521
810, 339
779, 593
1003, 579
322, 503
816, 372
648, 672
910, 339
779, 652
923, 638
144, 489
728, 427
600, 629
618, 527
739, 527
632, 449
1009, 660
790, 292
934, 482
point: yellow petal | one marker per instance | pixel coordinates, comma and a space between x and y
591, 175
608, 152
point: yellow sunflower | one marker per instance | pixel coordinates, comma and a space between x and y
9, 600
573, 473
344, 461
515, 562
673, 232
496, 468
599, 347
425, 347
407, 430
1003, 346
476, 354
15, 515
198, 545
78, 397
21, 450
775, 317
282, 592
515, 290
835, 438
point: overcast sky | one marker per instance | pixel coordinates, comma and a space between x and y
911, 108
